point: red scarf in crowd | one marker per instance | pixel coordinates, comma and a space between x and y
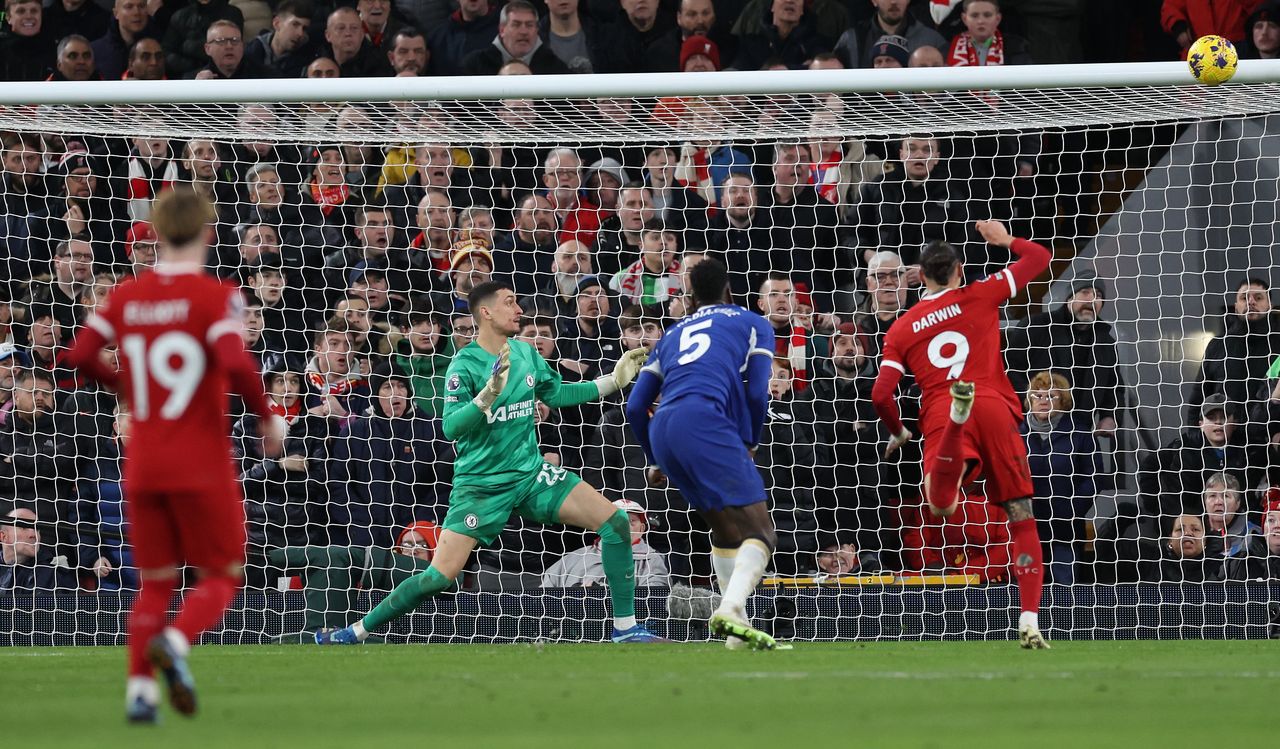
439, 260
964, 53
330, 196
289, 413
340, 388
826, 176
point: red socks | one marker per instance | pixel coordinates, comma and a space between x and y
948, 467
146, 620
1028, 563
204, 606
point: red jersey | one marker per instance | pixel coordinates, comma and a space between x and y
180, 353
954, 334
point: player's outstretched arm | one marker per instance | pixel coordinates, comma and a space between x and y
887, 408
228, 351
86, 353
759, 370
1033, 259
639, 401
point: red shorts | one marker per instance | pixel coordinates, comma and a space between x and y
992, 441
204, 528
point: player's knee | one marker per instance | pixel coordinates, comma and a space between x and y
766, 536
617, 529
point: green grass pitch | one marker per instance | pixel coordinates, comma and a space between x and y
929, 694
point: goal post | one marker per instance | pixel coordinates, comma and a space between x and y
356, 214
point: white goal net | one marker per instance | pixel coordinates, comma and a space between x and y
356, 217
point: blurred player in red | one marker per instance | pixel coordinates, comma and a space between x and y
180, 353
969, 413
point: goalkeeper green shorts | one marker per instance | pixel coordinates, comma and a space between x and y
482, 513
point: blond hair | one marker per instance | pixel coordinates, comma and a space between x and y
180, 216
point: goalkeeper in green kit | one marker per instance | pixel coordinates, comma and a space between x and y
491, 389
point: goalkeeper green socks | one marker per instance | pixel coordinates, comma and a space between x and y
619, 568
407, 596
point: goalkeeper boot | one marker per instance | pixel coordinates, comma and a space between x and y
1031, 639
725, 623
635, 634
343, 636
961, 401
171, 660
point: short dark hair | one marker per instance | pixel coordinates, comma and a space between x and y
708, 281
269, 262
407, 32
251, 299
636, 315
29, 374
482, 293
656, 225
1252, 281
540, 321
299, 8
938, 262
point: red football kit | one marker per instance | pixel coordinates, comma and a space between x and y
180, 353
954, 334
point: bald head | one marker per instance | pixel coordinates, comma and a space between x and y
926, 57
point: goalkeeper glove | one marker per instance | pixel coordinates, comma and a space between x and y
624, 372
497, 380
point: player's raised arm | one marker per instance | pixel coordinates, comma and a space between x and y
759, 370
891, 371
1033, 259
639, 402
86, 352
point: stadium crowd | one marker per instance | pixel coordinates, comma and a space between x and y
356, 262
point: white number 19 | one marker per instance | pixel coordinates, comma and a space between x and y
156, 364
955, 361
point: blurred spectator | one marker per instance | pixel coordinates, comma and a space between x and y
408, 53
379, 24
27, 46
694, 18
982, 42
1188, 20
888, 294
740, 234
655, 276
146, 61
111, 49
1073, 340
284, 50
702, 169
391, 467
777, 302
624, 43
591, 331
24, 199
431, 168
1235, 362
468, 29
152, 170
847, 432
284, 328
462, 330
140, 247
619, 238
913, 205
72, 273
1064, 461
423, 352
517, 39
1262, 33
470, 264
335, 576
890, 52
926, 57
1229, 534
224, 44
973, 541
1271, 535
9, 367
75, 60
100, 501
322, 67
660, 175
346, 45
1171, 479
281, 493
603, 181
81, 203
423, 265
788, 34
185, 37
38, 454
81, 17
44, 343
787, 459
585, 568
803, 229
26, 563
1182, 555
562, 177
559, 296
573, 37
856, 46
336, 385
325, 201
524, 254
840, 165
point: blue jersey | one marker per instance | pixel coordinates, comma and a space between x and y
705, 356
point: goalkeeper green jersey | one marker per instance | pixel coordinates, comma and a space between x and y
499, 449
